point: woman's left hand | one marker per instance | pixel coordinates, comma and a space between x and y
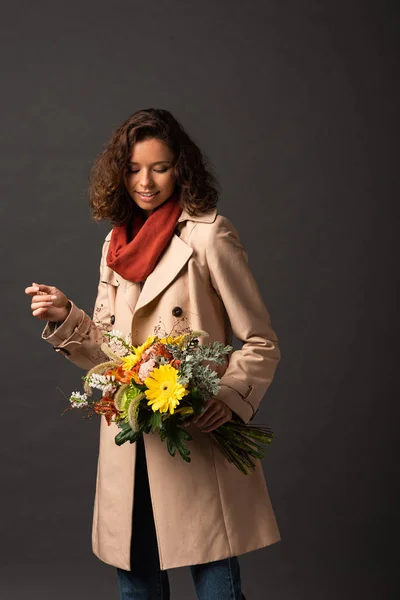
215, 413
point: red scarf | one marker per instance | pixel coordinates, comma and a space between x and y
136, 245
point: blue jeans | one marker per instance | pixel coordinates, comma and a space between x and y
217, 580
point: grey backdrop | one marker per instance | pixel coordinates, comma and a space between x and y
294, 104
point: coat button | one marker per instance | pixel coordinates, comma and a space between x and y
177, 311
112, 319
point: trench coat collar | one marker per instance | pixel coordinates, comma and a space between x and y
171, 262
206, 217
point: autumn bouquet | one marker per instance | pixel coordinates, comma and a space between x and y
155, 387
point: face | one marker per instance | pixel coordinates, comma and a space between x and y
150, 169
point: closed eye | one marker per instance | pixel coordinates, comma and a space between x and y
156, 170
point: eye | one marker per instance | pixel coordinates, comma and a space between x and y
130, 170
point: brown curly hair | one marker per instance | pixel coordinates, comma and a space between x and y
108, 197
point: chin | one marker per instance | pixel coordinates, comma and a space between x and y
149, 206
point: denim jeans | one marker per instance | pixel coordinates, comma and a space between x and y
217, 580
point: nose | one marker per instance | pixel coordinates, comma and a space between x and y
146, 181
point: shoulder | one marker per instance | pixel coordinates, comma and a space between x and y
104, 249
224, 226
106, 244
218, 232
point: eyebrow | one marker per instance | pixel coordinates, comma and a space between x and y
159, 162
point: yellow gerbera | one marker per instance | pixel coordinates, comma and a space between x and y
164, 392
131, 359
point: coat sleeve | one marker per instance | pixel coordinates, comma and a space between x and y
79, 337
251, 369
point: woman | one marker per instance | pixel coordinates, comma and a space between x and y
170, 261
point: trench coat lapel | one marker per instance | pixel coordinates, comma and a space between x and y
171, 262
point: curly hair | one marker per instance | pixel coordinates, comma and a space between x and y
197, 186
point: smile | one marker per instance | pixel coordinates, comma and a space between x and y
147, 196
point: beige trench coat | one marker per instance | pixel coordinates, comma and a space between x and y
207, 509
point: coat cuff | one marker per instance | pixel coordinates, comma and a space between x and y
72, 329
235, 394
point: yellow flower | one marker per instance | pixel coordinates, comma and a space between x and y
140, 349
171, 340
185, 410
164, 392
131, 359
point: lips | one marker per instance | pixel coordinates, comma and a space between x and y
146, 197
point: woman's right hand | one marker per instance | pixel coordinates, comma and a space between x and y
48, 303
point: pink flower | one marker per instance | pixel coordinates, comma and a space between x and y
147, 353
146, 368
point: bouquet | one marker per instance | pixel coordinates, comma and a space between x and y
155, 387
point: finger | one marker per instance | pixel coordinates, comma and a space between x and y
43, 288
206, 418
39, 311
44, 298
214, 425
35, 305
35, 290
222, 412
206, 406
31, 289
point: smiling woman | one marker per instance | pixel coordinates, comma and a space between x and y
147, 184
149, 152
171, 259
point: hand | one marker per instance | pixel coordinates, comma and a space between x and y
215, 413
48, 303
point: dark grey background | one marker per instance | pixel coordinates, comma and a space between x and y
294, 104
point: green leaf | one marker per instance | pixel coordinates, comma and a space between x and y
126, 434
155, 420
171, 447
196, 400
176, 436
